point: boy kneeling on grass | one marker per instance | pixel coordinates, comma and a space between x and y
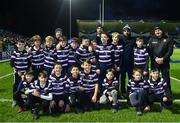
157, 90
110, 87
138, 89
20, 96
74, 94
40, 92
60, 88
89, 87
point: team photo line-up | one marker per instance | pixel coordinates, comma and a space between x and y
58, 76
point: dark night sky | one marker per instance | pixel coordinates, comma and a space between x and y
31, 17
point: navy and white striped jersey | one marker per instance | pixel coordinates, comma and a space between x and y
89, 80
23, 86
62, 55
141, 56
137, 85
20, 60
49, 57
110, 84
74, 84
105, 54
43, 90
59, 84
157, 87
118, 52
93, 61
82, 54
37, 56
71, 57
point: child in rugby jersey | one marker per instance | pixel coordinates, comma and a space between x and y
60, 89
89, 87
74, 82
20, 95
118, 54
40, 92
157, 89
94, 44
62, 53
141, 57
71, 58
37, 55
118, 50
110, 87
82, 53
49, 54
20, 61
138, 89
104, 56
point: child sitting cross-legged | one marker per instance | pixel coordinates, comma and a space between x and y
110, 87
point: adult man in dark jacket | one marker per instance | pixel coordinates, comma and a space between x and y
160, 50
128, 43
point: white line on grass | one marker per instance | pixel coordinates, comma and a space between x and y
6, 75
5, 100
175, 79
4, 60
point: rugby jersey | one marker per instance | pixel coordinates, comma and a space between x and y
20, 60
134, 85
74, 84
43, 90
82, 54
49, 57
23, 86
62, 55
141, 58
118, 50
110, 84
93, 62
37, 57
59, 84
71, 57
105, 54
89, 80
157, 87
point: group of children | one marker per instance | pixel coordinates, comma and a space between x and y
61, 76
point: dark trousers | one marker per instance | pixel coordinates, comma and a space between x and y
155, 98
48, 70
36, 70
19, 100
65, 69
33, 100
85, 100
125, 70
17, 80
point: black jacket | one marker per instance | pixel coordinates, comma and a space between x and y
160, 47
128, 48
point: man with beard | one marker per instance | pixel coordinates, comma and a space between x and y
58, 34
